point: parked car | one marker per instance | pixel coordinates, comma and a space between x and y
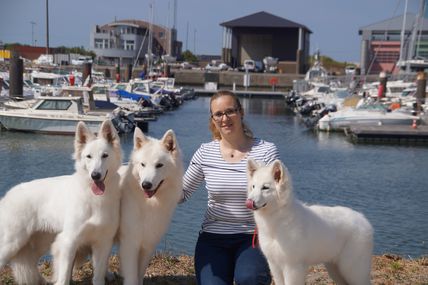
216, 66
350, 70
81, 60
252, 66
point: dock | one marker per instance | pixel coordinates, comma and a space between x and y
244, 93
395, 134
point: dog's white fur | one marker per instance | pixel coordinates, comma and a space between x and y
65, 210
293, 235
151, 189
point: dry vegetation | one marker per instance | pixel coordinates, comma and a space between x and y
178, 270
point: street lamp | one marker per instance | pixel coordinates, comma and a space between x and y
32, 33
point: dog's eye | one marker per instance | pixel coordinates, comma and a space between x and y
265, 187
159, 165
105, 155
89, 156
143, 165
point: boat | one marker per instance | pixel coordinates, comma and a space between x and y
317, 72
347, 117
51, 115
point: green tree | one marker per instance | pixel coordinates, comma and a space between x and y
188, 56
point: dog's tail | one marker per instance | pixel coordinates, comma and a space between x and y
25, 263
24, 267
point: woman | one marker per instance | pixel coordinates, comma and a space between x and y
224, 253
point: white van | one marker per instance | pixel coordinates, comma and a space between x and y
81, 60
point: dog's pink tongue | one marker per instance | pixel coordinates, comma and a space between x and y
149, 194
98, 187
250, 204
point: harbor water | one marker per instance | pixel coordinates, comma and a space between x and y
388, 183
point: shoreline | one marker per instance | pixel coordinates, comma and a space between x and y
166, 269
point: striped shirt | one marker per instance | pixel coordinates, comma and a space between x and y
226, 183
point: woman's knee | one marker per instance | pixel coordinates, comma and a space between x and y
252, 278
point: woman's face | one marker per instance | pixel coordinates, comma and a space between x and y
226, 115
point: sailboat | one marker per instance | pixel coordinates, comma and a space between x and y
413, 61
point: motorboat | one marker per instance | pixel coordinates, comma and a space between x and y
52, 115
347, 117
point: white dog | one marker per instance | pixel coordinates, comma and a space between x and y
151, 189
293, 236
73, 211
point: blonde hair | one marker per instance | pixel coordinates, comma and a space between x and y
214, 131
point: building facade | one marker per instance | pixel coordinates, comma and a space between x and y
128, 41
386, 44
262, 34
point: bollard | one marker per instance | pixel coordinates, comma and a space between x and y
16, 73
71, 79
166, 70
382, 85
128, 72
117, 73
421, 83
107, 73
87, 74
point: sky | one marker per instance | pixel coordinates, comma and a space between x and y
334, 23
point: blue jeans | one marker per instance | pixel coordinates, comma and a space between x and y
221, 259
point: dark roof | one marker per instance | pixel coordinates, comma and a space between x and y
263, 20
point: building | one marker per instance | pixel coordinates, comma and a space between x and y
126, 41
262, 34
382, 43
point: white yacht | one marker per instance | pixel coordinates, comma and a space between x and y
53, 115
342, 119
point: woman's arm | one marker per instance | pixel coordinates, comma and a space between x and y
194, 175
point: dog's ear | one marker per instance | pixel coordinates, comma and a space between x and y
108, 132
252, 166
139, 138
278, 171
170, 141
82, 137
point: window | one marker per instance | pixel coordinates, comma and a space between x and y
129, 45
54, 105
99, 43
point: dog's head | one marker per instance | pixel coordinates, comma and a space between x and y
267, 184
153, 161
99, 156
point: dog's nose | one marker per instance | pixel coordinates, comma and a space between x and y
96, 175
147, 185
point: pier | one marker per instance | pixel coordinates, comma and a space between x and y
244, 93
398, 134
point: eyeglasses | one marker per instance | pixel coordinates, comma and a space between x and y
217, 116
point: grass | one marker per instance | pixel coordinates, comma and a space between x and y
166, 269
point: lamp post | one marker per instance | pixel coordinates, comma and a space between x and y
32, 33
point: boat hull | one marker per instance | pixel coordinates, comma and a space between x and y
339, 123
47, 126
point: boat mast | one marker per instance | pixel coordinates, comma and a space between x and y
47, 26
411, 53
403, 31
150, 42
